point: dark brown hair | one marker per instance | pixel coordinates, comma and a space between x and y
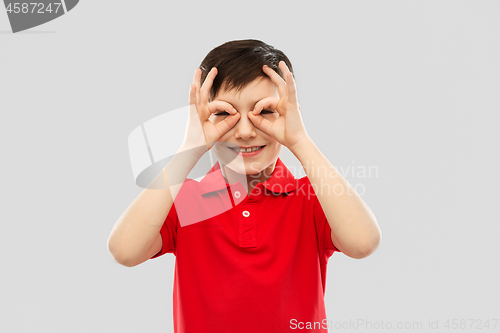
239, 62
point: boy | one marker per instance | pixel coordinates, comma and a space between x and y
251, 242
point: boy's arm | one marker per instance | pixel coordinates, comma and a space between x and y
136, 233
355, 230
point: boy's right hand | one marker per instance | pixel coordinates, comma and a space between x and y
200, 131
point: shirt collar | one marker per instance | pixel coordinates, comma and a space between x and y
280, 181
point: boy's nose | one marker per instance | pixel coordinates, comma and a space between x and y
244, 128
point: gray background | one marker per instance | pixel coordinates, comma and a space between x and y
410, 87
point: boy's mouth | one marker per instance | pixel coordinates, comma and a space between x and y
252, 150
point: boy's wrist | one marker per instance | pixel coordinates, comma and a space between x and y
302, 145
181, 164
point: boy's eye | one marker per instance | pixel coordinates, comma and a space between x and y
226, 114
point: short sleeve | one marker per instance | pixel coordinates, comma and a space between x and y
323, 229
168, 233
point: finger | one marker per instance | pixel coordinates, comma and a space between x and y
192, 95
197, 78
207, 85
228, 123
266, 103
260, 122
197, 83
216, 106
193, 109
277, 80
290, 83
284, 68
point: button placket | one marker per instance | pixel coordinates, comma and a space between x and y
247, 230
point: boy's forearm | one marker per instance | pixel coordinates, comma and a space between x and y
355, 229
136, 229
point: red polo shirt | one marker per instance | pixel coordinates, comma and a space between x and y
248, 264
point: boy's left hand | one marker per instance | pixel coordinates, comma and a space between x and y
288, 129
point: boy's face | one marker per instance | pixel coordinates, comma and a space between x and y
244, 133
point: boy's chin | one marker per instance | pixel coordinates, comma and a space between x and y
245, 168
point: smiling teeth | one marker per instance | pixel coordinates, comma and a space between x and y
247, 150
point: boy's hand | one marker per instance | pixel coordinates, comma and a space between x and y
288, 129
200, 130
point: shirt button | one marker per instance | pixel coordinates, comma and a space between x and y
237, 194
246, 213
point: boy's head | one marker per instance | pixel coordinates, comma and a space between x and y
240, 62
241, 82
